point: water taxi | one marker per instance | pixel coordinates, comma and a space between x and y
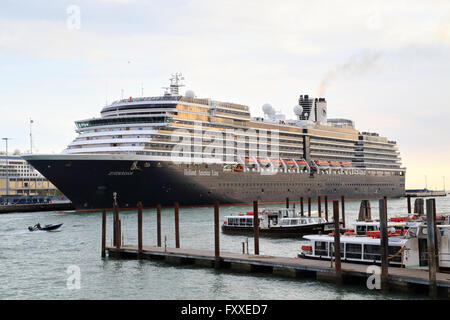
409, 251
277, 222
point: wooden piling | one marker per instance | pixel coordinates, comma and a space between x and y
408, 198
337, 243
287, 203
302, 212
436, 237
431, 248
158, 225
326, 208
309, 207
319, 207
384, 245
103, 233
177, 225
256, 226
139, 206
343, 211
119, 234
216, 237
115, 223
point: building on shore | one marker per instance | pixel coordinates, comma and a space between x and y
18, 177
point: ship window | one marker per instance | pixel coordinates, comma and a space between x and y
392, 251
353, 250
321, 248
371, 252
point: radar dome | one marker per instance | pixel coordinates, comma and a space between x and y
190, 94
268, 109
298, 110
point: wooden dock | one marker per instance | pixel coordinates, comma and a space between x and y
399, 278
372, 277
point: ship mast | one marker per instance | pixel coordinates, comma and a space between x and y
175, 84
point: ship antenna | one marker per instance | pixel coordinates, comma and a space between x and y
175, 83
31, 137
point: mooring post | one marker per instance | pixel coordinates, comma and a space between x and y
384, 244
309, 207
436, 236
319, 207
431, 248
287, 203
326, 208
177, 225
408, 198
158, 225
119, 234
139, 206
302, 212
115, 223
343, 211
256, 226
337, 243
216, 237
103, 233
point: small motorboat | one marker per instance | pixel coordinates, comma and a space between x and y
47, 227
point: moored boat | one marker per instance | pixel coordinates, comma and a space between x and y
408, 251
276, 222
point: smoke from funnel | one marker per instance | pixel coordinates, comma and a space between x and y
356, 65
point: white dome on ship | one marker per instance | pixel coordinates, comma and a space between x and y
190, 94
268, 109
298, 110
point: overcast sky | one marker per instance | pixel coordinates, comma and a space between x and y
383, 64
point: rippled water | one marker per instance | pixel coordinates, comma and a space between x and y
33, 265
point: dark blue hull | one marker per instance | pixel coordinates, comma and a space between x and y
90, 184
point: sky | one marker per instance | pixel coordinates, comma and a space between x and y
383, 64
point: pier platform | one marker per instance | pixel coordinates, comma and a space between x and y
400, 279
33, 207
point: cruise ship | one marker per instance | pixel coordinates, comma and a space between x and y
199, 151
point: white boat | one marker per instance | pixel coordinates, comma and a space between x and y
408, 251
277, 222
